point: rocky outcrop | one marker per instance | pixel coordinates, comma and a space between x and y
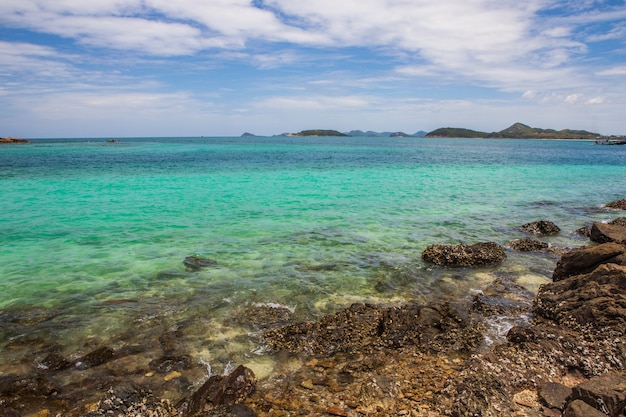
541, 228
586, 259
603, 232
476, 255
617, 204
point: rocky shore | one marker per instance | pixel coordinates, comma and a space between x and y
12, 140
501, 351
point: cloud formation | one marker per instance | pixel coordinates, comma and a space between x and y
317, 54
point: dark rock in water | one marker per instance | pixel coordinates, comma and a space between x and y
617, 204
167, 364
95, 358
620, 221
478, 254
527, 244
584, 231
597, 299
607, 393
603, 233
54, 362
554, 395
220, 391
540, 228
15, 386
195, 263
585, 260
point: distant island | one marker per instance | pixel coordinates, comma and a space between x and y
516, 131
12, 140
316, 132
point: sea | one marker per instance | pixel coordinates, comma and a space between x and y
93, 233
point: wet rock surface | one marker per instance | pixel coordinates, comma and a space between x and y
617, 204
478, 254
541, 228
527, 244
604, 232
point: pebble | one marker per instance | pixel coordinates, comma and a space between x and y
172, 375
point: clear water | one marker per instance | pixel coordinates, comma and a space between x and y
93, 234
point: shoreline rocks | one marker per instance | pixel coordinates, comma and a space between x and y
12, 141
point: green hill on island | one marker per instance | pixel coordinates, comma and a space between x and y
516, 131
319, 132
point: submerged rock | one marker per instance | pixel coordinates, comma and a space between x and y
95, 358
541, 228
196, 263
478, 254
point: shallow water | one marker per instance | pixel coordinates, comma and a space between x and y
93, 234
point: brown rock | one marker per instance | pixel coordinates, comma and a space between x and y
541, 228
95, 358
620, 221
196, 263
617, 204
608, 392
584, 260
597, 298
580, 408
478, 254
554, 395
603, 233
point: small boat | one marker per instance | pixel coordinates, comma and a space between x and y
607, 141
113, 140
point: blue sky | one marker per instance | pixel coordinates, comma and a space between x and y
102, 68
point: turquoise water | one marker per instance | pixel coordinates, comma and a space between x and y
93, 234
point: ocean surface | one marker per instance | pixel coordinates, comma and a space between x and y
93, 234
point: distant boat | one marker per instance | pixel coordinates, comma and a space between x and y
607, 141
113, 140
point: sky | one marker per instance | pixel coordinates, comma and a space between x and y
123, 68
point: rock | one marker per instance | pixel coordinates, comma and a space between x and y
237, 410
262, 316
95, 358
620, 221
12, 140
478, 254
54, 362
585, 260
603, 233
617, 204
128, 399
167, 364
554, 395
584, 231
196, 263
170, 340
607, 393
597, 298
580, 408
527, 244
220, 391
27, 386
541, 228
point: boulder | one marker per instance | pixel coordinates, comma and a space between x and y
478, 254
580, 408
541, 228
527, 244
617, 204
585, 260
595, 299
620, 221
603, 233
220, 391
607, 393
196, 263
554, 395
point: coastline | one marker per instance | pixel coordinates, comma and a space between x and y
448, 367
